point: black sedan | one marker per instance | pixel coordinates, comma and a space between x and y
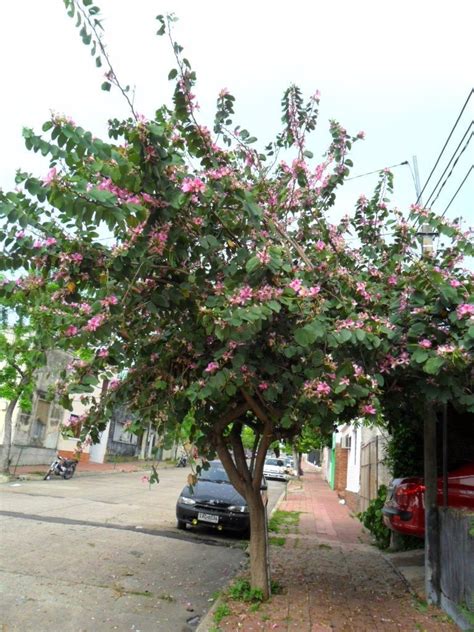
213, 502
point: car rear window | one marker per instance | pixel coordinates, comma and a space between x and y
216, 473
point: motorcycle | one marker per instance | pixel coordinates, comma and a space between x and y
182, 461
61, 467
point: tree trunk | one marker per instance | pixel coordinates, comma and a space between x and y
7, 437
259, 560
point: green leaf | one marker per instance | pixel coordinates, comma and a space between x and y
106, 86
172, 74
252, 264
433, 365
305, 336
420, 356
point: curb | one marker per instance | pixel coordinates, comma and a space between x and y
208, 620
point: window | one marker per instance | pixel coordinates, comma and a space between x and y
38, 430
56, 414
121, 435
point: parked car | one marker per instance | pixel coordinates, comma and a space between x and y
404, 509
290, 464
276, 468
214, 502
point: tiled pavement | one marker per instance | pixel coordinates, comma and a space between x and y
330, 577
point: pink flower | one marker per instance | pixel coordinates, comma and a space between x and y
392, 280
368, 409
212, 367
454, 283
223, 92
263, 256
263, 386
145, 479
193, 185
425, 343
95, 322
361, 135
323, 388
295, 285
465, 309
114, 383
71, 330
109, 300
313, 291
320, 245
20, 234
50, 176
103, 353
245, 295
50, 241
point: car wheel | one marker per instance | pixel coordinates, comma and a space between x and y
181, 524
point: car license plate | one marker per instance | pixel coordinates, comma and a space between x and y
205, 517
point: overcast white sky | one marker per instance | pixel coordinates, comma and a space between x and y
399, 71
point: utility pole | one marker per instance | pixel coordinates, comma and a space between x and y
432, 536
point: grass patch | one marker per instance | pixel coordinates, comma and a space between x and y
284, 521
221, 612
421, 605
277, 540
242, 591
275, 588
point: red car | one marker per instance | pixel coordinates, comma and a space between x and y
404, 509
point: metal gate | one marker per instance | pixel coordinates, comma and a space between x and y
373, 471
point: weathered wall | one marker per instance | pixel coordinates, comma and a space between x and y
457, 559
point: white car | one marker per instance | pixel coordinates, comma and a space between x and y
276, 468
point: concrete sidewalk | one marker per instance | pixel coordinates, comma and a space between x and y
330, 576
23, 471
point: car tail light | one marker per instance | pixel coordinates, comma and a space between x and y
406, 491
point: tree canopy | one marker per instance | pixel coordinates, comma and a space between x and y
222, 287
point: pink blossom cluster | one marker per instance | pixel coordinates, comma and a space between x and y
158, 238
361, 288
316, 389
114, 383
109, 300
193, 185
70, 257
425, 343
244, 295
95, 322
217, 174
465, 309
50, 176
263, 256
211, 368
122, 195
72, 330
44, 243
445, 349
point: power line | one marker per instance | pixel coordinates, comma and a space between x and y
446, 143
449, 163
362, 175
454, 165
459, 188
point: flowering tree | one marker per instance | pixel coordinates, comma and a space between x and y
227, 298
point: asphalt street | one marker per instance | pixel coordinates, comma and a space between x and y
102, 552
